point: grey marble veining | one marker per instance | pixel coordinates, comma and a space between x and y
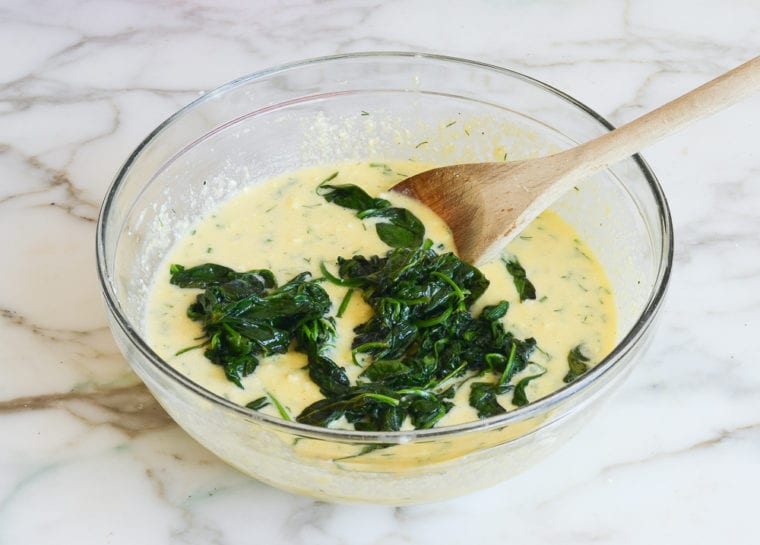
89, 457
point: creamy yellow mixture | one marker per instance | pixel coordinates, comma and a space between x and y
284, 226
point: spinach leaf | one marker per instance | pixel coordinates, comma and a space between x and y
425, 411
269, 399
401, 229
351, 196
368, 404
211, 274
525, 288
315, 338
483, 398
258, 404
495, 312
235, 366
381, 370
578, 363
519, 398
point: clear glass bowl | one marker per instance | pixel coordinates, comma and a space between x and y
368, 107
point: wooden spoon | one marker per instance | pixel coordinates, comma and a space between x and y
487, 204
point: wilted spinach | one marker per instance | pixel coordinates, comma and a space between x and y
419, 346
401, 228
520, 398
421, 342
578, 363
525, 288
245, 315
375, 407
258, 404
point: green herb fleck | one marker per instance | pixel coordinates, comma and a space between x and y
385, 168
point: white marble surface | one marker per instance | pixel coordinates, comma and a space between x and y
87, 457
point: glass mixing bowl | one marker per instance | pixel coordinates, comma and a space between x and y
369, 107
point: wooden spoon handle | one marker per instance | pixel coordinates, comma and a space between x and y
626, 140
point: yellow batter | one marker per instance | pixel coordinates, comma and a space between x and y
285, 226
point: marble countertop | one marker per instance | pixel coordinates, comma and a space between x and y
87, 455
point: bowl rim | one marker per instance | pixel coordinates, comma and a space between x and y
533, 409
